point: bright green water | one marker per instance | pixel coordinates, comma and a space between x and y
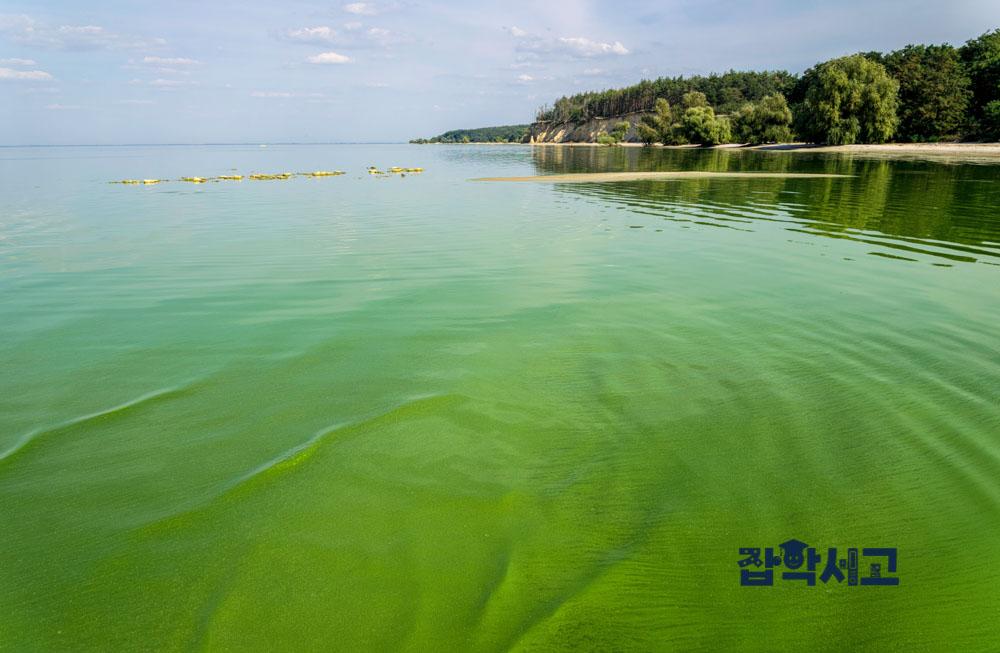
428, 414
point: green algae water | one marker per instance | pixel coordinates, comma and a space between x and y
422, 413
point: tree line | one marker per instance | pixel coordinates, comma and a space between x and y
501, 134
918, 93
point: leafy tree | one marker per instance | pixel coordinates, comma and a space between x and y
658, 127
991, 119
617, 134
981, 57
723, 131
848, 100
768, 121
700, 125
604, 138
646, 132
694, 99
743, 124
933, 91
875, 56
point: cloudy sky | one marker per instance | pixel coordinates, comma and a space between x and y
218, 71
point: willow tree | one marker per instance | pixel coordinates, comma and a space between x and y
848, 100
658, 127
768, 121
700, 125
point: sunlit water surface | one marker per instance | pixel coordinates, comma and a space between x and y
430, 414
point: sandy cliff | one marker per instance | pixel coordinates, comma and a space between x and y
581, 132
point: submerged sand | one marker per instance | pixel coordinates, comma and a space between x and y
591, 177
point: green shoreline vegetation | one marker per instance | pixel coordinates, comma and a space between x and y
501, 134
917, 94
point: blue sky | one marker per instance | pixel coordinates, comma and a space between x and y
218, 71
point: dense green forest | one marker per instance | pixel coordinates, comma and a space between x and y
725, 92
502, 134
917, 93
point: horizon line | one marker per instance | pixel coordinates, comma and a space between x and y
202, 144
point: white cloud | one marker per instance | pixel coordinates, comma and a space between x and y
380, 36
329, 58
355, 35
568, 46
18, 62
25, 30
171, 71
24, 75
135, 102
285, 94
61, 107
162, 84
360, 8
589, 48
526, 78
170, 61
319, 34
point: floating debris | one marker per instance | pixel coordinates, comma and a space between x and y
263, 177
372, 170
394, 170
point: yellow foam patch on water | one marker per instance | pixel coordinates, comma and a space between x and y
280, 175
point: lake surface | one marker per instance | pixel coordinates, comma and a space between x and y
427, 414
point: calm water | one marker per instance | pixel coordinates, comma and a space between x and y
428, 414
